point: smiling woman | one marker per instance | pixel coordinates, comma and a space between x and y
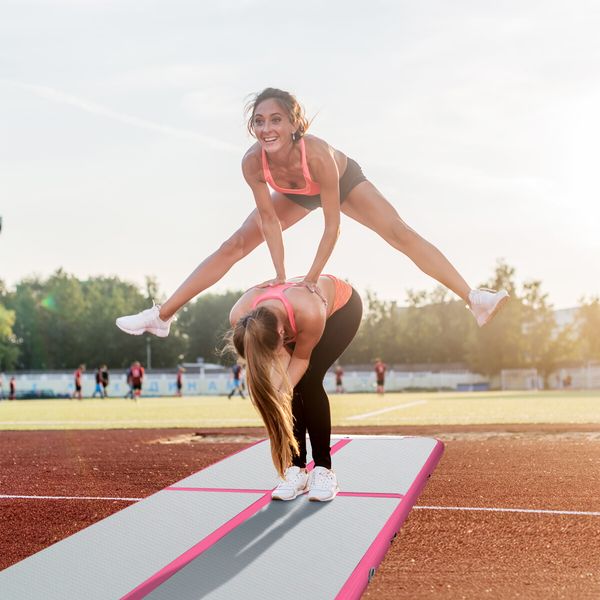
303, 173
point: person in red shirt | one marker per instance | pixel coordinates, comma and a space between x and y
12, 388
380, 375
78, 376
137, 378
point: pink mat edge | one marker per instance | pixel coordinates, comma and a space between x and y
360, 577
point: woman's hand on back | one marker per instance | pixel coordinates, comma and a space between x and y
312, 287
271, 282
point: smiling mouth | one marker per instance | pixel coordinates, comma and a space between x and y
269, 140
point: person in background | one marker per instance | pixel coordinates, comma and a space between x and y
98, 389
380, 375
180, 372
236, 374
339, 383
78, 377
104, 379
137, 379
12, 388
129, 393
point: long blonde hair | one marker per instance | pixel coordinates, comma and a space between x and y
256, 339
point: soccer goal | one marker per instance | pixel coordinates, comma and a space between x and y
520, 379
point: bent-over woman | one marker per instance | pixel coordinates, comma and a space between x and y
289, 338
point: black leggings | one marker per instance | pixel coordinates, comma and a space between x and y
310, 404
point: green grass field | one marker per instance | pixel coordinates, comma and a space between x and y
347, 410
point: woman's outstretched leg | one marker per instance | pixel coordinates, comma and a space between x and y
369, 207
157, 320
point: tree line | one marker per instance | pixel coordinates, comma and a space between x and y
59, 322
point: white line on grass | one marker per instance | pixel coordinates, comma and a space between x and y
384, 410
535, 511
195, 423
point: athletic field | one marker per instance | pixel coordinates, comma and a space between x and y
347, 410
511, 511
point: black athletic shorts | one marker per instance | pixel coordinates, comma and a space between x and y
352, 176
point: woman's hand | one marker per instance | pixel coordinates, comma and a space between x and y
271, 282
312, 287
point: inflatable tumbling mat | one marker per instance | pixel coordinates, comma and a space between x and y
217, 534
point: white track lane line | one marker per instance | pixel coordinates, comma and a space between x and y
17, 497
385, 410
535, 511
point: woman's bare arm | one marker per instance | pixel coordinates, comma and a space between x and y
324, 171
271, 227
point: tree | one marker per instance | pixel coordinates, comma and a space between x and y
499, 345
8, 347
545, 346
587, 325
206, 322
63, 322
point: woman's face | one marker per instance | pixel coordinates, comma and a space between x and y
272, 126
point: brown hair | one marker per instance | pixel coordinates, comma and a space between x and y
287, 101
256, 339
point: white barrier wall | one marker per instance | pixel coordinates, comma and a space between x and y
164, 384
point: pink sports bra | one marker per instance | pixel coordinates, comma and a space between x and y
312, 188
343, 291
276, 293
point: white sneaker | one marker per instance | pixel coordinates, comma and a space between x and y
294, 483
323, 485
484, 304
147, 320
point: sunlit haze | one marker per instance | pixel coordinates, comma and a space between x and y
122, 134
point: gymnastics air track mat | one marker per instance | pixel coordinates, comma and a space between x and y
217, 534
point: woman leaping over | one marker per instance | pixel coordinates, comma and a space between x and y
304, 173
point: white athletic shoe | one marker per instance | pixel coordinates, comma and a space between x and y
323, 485
294, 483
147, 320
484, 304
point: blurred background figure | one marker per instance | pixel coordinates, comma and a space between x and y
237, 373
98, 389
104, 379
78, 376
137, 379
380, 375
129, 393
180, 372
12, 388
339, 376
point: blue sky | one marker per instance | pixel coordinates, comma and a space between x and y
122, 133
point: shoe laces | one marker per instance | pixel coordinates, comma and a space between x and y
290, 479
322, 478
